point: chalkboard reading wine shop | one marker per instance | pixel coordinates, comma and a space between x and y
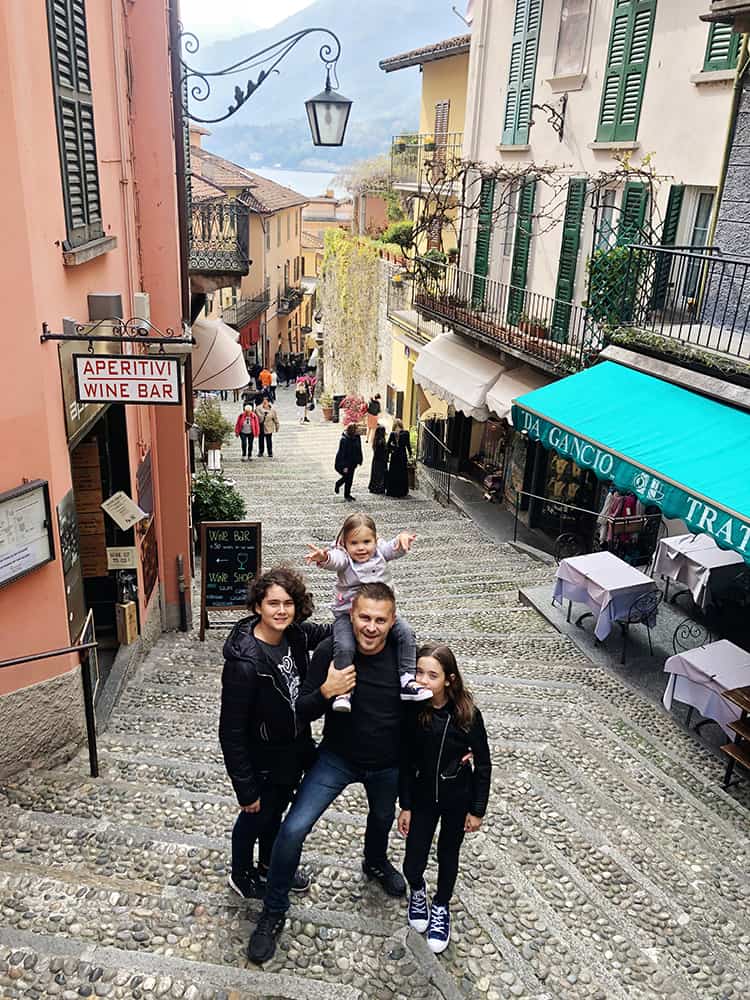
230, 558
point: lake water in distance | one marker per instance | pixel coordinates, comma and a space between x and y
307, 182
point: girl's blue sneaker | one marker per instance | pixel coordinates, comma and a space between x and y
419, 910
439, 931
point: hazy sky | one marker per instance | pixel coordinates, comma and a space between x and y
212, 19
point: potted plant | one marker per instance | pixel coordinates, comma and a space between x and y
452, 255
215, 498
534, 326
213, 425
326, 405
429, 144
399, 146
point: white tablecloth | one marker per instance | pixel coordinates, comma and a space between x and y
605, 584
697, 562
698, 676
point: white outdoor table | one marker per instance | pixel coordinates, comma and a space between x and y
605, 584
697, 562
698, 676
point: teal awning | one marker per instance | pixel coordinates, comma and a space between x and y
687, 454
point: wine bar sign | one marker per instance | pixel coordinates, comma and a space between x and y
230, 558
106, 378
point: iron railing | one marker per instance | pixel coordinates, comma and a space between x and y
435, 459
219, 233
289, 300
245, 310
552, 332
416, 156
698, 297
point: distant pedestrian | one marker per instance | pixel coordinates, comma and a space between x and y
302, 399
247, 428
268, 419
265, 378
224, 395
348, 457
373, 412
399, 447
379, 467
274, 385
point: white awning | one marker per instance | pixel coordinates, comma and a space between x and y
218, 362
511, 384
457, 374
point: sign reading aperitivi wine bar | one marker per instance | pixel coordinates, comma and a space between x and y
105, 378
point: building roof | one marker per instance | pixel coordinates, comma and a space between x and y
311, 242
428, 53
202, 189
263, 195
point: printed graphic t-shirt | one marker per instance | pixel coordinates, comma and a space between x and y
282, 658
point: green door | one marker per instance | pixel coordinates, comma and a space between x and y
520, 266
566, 272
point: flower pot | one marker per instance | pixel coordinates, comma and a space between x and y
327, 412
533, 329
399, 147
429, 147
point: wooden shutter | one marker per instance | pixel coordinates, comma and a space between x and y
625, 75
442, 111
566, 272
632, 213
484, 239
522, 246
71, 79
668, 239
523, 52
722, 49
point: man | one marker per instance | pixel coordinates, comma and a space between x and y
360, 746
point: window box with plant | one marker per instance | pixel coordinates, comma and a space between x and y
429, 144
534, 326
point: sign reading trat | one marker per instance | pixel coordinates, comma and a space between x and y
106, 378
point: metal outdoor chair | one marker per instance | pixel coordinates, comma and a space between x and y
641, 612
568, 545
689, 634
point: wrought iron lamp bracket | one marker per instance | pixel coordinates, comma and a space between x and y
196, 83
555, 116
135, 331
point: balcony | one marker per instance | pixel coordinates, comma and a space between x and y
418, 159
289, 301
244, 311
549, 333
219, 231
679, 303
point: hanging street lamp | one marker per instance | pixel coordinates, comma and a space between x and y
328, 114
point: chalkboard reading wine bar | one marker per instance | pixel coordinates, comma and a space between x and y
230, 558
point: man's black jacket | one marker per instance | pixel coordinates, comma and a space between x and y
258, 728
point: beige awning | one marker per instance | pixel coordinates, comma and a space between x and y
218, 362
457, 374
512, 383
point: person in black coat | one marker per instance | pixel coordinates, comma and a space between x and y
265, 748
379, 467
445, 778
348, 457
399, 446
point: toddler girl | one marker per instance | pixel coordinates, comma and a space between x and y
439, 784
358, 557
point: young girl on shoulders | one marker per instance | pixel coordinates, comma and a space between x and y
359, 557
445, 779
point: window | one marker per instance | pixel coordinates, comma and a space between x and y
296, 223
288, 225
568, 265
722, 49
278, 230
625, 75
605, 235
572, 37
268, 234
520, 96
508, 218
521, 251
71, 81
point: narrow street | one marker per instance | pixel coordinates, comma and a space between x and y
611, 864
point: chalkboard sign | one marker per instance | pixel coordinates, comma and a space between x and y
230, 558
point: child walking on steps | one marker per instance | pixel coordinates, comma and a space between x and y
445, 779
358, 557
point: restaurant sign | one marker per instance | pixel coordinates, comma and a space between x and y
106, 378
728, 529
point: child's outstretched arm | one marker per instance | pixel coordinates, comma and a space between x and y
397, 547
325, 558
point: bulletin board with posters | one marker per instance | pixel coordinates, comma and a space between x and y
26, 539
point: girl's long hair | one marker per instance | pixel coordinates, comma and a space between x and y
397, 426
353, 522
379, 437
458, 695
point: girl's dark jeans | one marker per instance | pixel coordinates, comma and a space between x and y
260, 827
424, 820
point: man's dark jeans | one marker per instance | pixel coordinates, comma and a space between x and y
329, 776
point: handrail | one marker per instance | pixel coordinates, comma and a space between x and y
440, 478
623, 519
84, 651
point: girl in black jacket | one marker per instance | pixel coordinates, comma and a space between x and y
445, 778
264, 746
348, 457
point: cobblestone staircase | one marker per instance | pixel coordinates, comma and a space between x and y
611, 864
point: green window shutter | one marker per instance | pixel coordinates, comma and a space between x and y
71, 78
668, 239
522, 246
484, 239
625, 75
523, 52
632, 213
566, 272
722, 49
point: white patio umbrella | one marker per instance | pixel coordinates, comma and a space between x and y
218, 362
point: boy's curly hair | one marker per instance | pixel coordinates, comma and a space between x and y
291, 581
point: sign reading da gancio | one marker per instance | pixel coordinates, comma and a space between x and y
107, 378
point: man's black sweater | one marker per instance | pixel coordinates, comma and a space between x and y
369, 736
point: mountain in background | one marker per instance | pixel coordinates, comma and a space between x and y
271, 129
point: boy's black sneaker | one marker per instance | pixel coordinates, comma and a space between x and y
300, 881
249, 885
389, 878
262, 946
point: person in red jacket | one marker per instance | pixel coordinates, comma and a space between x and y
247, 429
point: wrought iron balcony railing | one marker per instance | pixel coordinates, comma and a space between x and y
418, 159
289, 300
246, 310
697, 297
550, 332
219, 234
